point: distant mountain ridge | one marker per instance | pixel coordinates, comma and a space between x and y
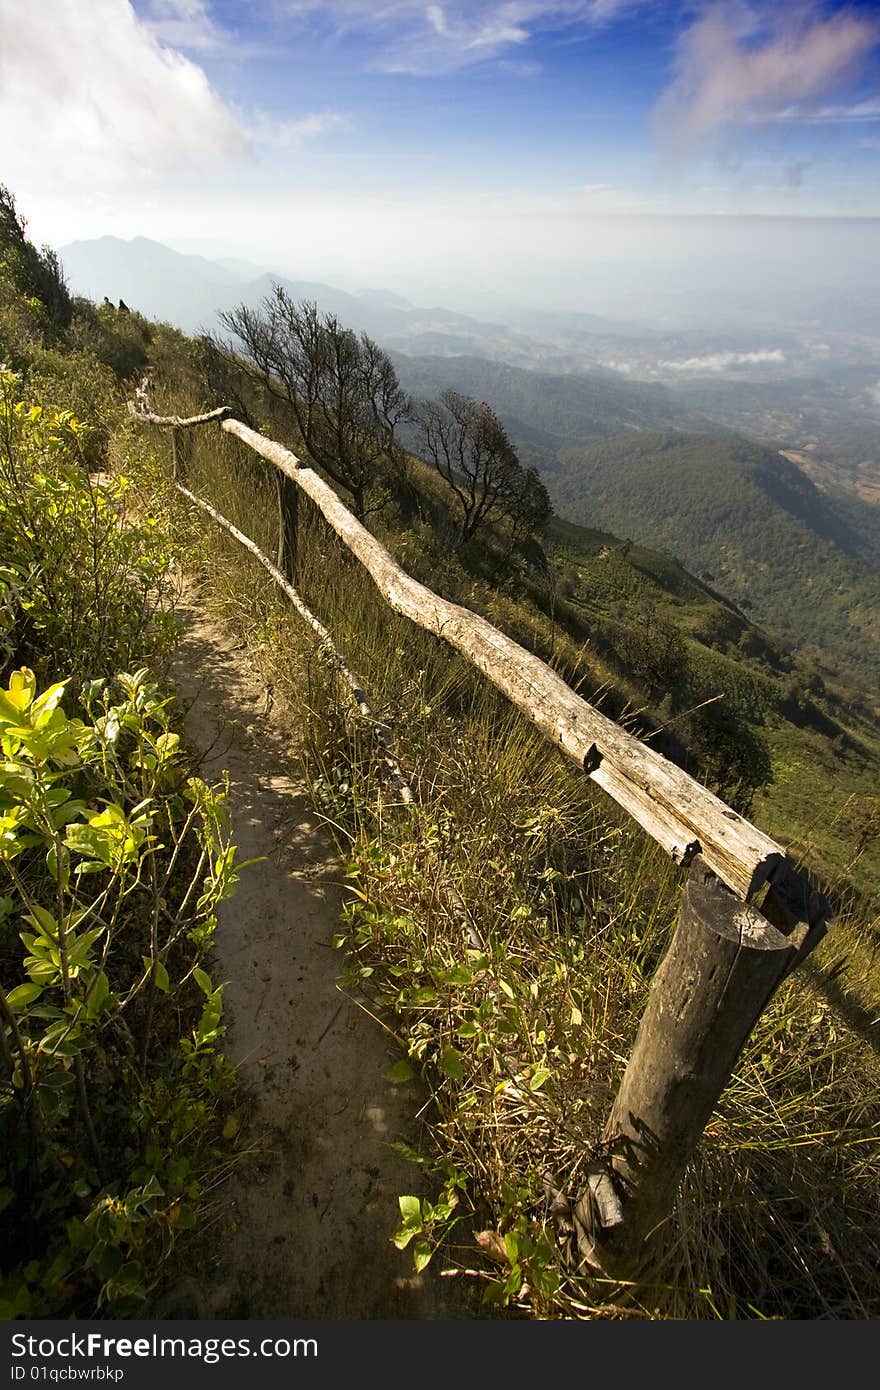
191, 291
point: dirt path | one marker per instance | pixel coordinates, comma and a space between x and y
305, 1228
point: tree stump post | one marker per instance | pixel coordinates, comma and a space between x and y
288, 524
720, 971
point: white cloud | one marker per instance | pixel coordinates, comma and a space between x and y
738, 66
719, 361
416, 38
94, 98
87, 91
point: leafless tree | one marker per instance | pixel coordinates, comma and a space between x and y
469, 447
342, 389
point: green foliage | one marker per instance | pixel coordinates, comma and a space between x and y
653, 648
81, 577
35, 276
106, 842
114, 855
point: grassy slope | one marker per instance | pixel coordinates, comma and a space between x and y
824, 747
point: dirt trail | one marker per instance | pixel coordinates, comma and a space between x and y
305, 1227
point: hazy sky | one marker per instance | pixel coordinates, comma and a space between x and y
455, 142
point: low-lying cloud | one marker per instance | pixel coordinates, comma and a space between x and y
722, 361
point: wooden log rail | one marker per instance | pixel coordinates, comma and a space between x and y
726, 957
683, 816
381, 732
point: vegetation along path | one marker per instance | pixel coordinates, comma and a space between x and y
306, 1221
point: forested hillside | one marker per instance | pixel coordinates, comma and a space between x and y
545, 412
750, 518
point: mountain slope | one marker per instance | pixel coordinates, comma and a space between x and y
546, 412
748, 516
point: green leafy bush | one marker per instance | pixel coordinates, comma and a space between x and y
112, 862
82, 581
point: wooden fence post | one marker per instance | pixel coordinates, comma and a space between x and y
178, 465
722, 966
288, 524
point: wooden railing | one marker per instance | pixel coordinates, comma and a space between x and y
728, 954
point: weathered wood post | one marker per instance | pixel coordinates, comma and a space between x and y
178, 464
288, 523
723, 964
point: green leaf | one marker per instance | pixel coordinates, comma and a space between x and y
423, 995
400, 1071
18, 999
21, 689
167, 745
203, 980
411, 1211
44, 922
460, 975
451, 1063
98, 992
422, 1253
46, 703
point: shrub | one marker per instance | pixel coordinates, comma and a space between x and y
81, 578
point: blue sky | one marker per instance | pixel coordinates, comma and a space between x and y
339, 134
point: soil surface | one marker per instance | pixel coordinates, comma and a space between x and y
302, 1229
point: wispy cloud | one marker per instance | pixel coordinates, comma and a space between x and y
183, 24
409, 36
292, 134
856, 113
737, 65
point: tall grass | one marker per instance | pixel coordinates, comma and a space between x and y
505, 929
